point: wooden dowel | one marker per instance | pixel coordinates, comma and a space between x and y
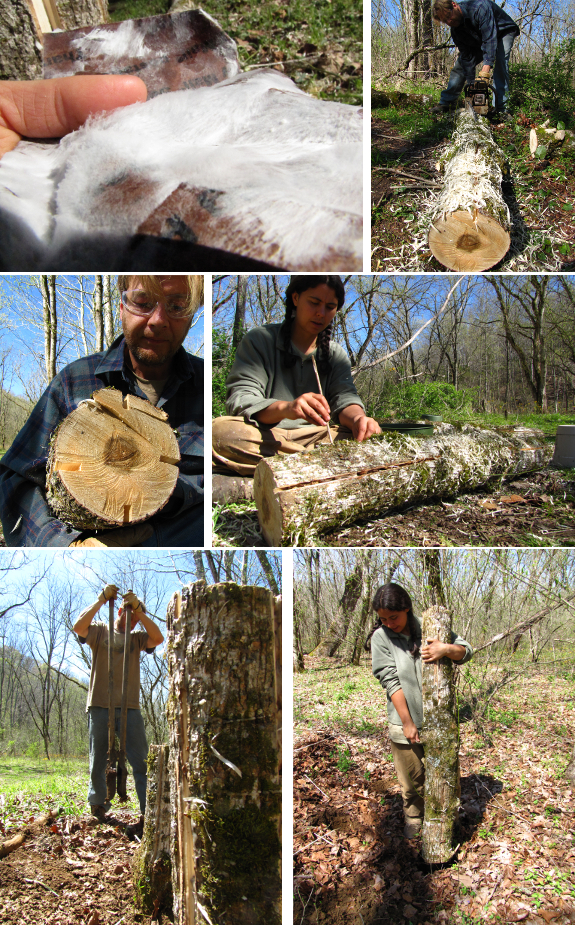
321, 393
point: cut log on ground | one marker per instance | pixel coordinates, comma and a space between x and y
112, 462
224, 755
305, 494
152, 866
440, 738
470, 221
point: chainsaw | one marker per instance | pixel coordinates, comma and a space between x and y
116, 772
478, 96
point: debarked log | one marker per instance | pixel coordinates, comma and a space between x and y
152, 864
224, 754
300, 496
440, 738
113, 461
470, 221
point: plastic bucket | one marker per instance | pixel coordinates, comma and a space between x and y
564, 455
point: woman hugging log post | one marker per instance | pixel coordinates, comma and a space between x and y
470, 222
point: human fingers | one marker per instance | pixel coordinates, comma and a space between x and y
52, 108
314, 408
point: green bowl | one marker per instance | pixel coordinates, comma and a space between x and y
432, 417
411, 428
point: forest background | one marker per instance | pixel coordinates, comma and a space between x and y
516, 711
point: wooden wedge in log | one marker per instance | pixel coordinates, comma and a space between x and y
300, 496
112, 462
470, 221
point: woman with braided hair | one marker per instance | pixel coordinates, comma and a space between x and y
273, 398
396, 656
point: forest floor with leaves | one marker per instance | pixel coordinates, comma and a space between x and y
407, 142
72, 870
536, 510
352, 865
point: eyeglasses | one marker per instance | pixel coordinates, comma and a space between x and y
141, 303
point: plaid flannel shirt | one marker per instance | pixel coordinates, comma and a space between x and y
25, 515
476, 37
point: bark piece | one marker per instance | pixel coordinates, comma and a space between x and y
470, 222
305, 494
113, 461
10, 844
152, 865
224, 756
440, 738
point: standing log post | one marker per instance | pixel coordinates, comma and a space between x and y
470, 221
441, 742
302, 495
113, 461
152, 867
224, 756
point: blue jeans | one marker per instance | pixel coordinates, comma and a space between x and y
500, 76
136, 752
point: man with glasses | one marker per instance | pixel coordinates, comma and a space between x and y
147, 360
483, 32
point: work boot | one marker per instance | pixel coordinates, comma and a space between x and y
98, 811
439, 108
136, 830
412, 827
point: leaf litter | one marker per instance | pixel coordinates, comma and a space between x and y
516, 822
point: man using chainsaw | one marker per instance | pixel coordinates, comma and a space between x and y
484, 33
96, 636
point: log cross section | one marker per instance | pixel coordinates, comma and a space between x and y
112, 461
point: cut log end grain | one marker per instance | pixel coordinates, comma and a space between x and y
466, 243
113, 461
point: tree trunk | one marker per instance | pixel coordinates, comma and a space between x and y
50, 317
23, 25
224, 755
305, 494
439, 735
470, 222
113, 461
152, 867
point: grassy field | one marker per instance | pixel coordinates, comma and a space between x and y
319, 45
29, 786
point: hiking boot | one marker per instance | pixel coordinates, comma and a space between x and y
439, 108
135, 831
412, 828
98, 811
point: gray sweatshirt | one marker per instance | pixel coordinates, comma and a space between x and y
396, 669
258, 377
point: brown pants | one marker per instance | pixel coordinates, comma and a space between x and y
411, 774
239, 447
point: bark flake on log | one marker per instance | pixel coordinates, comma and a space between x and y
152, 866
224, 756
470, 221
302, 495
440, 738
112, 461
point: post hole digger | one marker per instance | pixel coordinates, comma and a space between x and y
116, 773
114, 697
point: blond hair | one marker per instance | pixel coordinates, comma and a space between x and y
152, 286
440, 8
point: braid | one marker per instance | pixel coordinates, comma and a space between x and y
290, 358
323, 344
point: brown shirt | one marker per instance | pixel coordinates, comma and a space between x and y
97, 639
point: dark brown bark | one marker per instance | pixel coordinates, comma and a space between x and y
152, 866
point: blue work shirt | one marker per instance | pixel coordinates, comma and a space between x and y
476, 37
26, 518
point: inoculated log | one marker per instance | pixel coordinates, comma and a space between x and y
112, 461
152, 865
224, 756
303, 495
470, 221
440, 738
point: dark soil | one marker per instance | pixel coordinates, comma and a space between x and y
537, 199
72, 871
352, 864
538, 510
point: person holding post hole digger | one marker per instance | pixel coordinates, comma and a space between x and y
115, 679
